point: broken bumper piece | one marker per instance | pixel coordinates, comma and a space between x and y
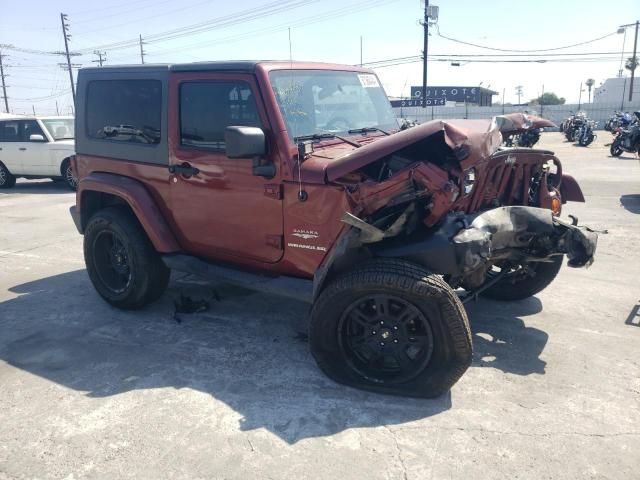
465, 243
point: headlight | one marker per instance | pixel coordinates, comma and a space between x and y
469, 181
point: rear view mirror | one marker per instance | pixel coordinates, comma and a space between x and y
35, 137
245, 142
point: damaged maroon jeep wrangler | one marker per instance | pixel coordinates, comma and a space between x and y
294, 179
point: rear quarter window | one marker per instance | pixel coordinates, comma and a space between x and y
124, 111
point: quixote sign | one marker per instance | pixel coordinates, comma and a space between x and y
418, 102
449, 94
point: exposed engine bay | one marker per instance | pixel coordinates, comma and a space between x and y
460, 208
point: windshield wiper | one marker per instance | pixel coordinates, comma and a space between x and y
314, 136
367, 130
324, 136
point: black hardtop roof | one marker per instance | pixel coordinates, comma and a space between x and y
221, 65
239, 65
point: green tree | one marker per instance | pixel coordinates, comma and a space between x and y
547, 98
590, 82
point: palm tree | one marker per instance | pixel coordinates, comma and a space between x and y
590, 82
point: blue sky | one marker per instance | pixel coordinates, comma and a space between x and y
322, 30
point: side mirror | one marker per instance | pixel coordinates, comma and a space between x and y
36, 137
245, 142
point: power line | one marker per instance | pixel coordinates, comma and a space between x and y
524, 51
355, 8
218, 22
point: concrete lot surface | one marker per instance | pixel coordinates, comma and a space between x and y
88, 391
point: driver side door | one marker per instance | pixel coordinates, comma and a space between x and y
221, 210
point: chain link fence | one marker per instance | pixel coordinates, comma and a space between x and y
599, 112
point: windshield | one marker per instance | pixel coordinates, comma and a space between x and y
60, 128
314, 102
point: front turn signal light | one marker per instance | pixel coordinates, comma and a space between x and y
556, 206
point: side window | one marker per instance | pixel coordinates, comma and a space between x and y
207, 108
124, 110
9, 131
31, 127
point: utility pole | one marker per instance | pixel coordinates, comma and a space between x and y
57, 109
580, 97
102, 57
141, 50
519, 93
430, 18
4, 85
425, 48
67, 37
634, 61
360, 50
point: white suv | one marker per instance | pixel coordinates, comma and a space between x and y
36, 147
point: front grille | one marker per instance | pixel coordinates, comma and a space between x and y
505, 180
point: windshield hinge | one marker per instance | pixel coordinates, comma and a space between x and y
273, 190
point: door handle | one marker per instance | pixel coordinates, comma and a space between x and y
184, 169
22, 148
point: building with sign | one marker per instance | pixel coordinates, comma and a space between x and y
449, 95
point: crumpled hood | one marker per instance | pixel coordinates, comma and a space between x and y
479, 139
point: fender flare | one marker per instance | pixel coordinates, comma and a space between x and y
138, 198
570, 191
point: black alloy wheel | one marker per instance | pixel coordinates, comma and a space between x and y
391, 326
385, 338
111, 261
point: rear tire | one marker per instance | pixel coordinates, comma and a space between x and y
615, 149
391, 327
7, 180
515, 286
123, 266
68, 176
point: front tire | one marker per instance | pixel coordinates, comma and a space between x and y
122, 264
525, 282
391, 327
7, 180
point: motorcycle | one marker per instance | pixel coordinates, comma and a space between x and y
627, 139
572, 125
584, 134
521, 129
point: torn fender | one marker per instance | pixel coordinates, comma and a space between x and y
464, 243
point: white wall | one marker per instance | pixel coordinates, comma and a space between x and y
599, 112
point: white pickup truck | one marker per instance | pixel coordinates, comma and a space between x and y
36, 147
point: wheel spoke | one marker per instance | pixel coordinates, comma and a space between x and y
360, 319
403, 361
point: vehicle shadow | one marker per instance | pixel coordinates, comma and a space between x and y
631, 203
502, 340
249, 350
38, 186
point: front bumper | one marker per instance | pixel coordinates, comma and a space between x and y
466, 243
